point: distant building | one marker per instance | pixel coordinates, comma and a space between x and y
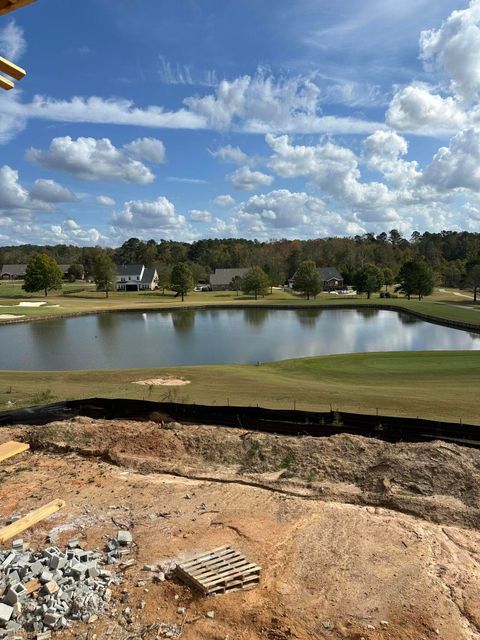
221, 280
13, 271
17, 271
332, 279
136, 277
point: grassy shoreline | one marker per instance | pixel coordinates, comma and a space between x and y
442, 307
440, 385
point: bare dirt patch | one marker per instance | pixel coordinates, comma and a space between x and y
357, 538
163, 382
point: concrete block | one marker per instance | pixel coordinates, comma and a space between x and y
124, 538
46, 576
8, 560
14, 593
51, 619
50, 587
5, 612
57, 562
36, 568
13, 578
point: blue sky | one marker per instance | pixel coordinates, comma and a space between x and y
256, 119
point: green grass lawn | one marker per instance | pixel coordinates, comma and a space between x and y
437, 385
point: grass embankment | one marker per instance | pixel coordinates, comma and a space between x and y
436, 385
443, 305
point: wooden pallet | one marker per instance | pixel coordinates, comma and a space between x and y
218, 571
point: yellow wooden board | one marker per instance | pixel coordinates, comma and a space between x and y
14, 529
12, 448
11, 69
6, 84
10, 5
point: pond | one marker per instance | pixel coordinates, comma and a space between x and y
215, 336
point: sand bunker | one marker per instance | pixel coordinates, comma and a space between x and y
26, 304
9, 316
163, 382
31, 304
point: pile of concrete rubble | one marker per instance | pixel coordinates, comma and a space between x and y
43, 591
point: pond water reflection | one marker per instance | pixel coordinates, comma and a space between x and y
156, 339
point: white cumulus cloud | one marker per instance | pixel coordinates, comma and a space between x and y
149, 149
247, 180
160, 215
91, 159
230, 154
51, 191
225, 200
417, 109
454, 50
458, 165
105, 201
200, 215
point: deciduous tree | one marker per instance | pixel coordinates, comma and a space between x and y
308, 279
42, 274
255, 282
182, 279
416, 278
104, 273
368, 279
75, 272
472, 277
388, 278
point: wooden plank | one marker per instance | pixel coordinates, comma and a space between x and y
205, 556
237, 586
6, 84
14, 529
10, 5
246, 571
33, 585
190, 580
12, 448
213, 563
11, 69
202, 575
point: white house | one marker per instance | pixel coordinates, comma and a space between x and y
136, 277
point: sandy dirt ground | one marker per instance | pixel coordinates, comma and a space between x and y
163, 382
356, 538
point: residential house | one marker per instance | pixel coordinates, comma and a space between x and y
221, 280
13, 271
17, 271
332, 279
136, 277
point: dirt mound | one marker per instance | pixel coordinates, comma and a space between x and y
330, 570
437, 481
163, 382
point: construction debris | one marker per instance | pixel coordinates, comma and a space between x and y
48, 589
218, 571
11, 448
21, 524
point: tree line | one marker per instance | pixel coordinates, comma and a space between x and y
452, 256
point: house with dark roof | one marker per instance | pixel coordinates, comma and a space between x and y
332, 279
13, 271
17, 271
136, 277
222, 279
